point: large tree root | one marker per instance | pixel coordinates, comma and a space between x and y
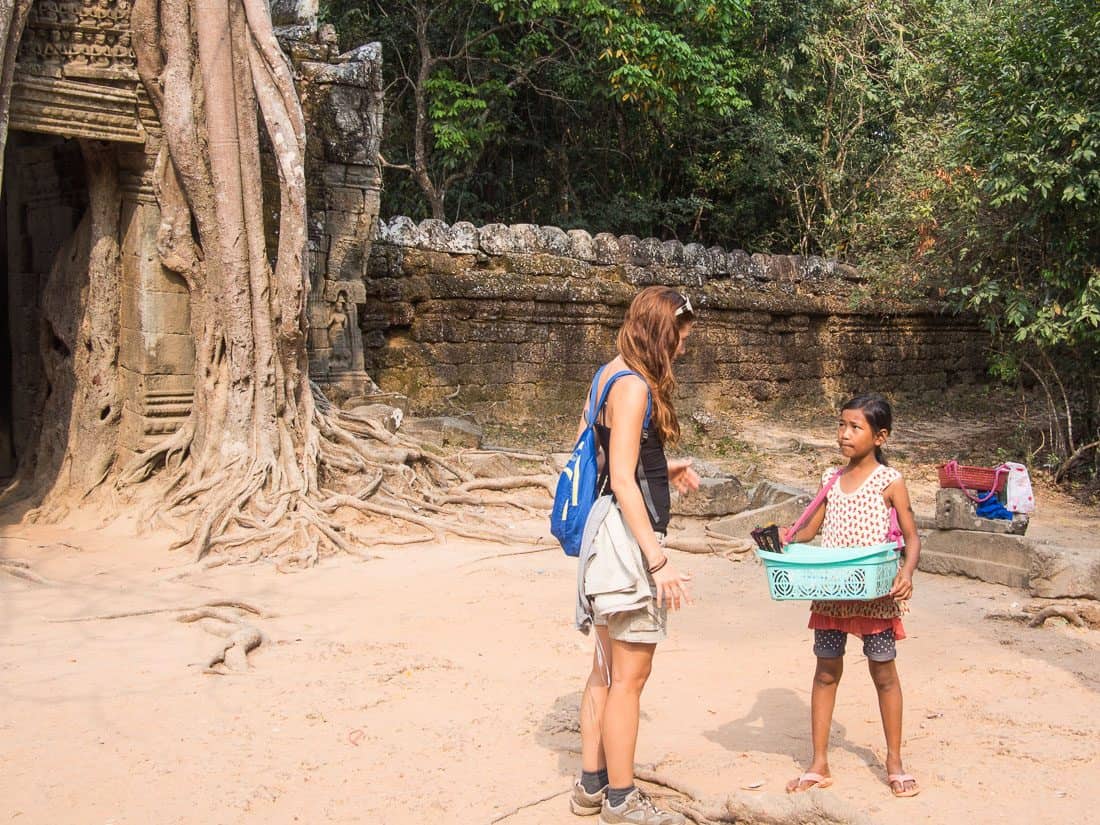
370, 473
1076, 615
1036, 615
704, 546
222, 617
238, 638
129, 614
810, 808
526, 805
21, 570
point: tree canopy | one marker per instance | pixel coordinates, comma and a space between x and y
948, 147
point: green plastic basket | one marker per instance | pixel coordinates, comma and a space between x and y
803, 571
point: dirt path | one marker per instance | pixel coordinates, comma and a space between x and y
431, 686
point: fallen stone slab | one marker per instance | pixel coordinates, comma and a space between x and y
991, 557
390, 399
1046, 570
389, 417
489, 465
1059, 572
986, 571
447, 431
739, 526
770, 492
715, 497
495, 463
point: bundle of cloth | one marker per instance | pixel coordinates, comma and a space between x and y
991, 507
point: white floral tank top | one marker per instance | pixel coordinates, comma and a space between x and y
858, 519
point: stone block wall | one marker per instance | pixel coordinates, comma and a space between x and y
511, 321
156, 349
342, 102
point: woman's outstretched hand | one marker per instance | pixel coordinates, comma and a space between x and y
683, 476
672, 587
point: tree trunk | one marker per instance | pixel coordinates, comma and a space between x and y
262, 462
77, 428
96, 408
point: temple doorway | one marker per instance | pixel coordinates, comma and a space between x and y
43, 199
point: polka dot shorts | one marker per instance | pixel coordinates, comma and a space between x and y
878, 647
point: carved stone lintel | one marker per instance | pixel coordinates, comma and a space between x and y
75, 109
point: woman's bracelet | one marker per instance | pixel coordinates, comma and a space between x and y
658, 565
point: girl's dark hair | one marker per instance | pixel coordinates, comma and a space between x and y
879, 415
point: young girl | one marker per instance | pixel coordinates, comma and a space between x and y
652, 335
856, 513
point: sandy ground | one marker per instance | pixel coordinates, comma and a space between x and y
433, 684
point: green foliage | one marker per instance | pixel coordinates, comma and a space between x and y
950, 148
475, 87
1019, 228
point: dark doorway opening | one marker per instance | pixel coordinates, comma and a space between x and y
43, 198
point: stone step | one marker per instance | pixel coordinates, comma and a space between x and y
932, 561
742, 524
1014, 551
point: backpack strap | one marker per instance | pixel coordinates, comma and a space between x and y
647, 495
594, 407
591, 413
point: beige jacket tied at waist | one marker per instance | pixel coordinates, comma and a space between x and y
611, 574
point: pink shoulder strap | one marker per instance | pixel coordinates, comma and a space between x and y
894, 534
807, 514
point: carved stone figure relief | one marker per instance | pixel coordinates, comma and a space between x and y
89, 39
339, 333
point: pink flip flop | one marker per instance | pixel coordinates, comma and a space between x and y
816, 780
901, 779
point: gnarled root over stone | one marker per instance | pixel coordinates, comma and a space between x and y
238, 638
223, 618
1077, 614
265, 465
811, 808
363, 473
1037, 614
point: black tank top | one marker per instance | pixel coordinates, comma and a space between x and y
653, 471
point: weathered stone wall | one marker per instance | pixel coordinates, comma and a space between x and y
342, 101
512, 321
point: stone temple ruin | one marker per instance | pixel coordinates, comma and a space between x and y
76, 77
507, 320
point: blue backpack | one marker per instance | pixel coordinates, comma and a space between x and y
576, 491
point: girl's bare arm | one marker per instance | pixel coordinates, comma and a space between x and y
812, 526
897, 496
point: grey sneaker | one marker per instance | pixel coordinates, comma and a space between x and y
638, 809
583, 803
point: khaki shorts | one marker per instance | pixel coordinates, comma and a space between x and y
646, 625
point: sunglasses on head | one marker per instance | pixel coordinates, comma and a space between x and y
685, 307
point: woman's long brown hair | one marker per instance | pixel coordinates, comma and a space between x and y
648, 341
